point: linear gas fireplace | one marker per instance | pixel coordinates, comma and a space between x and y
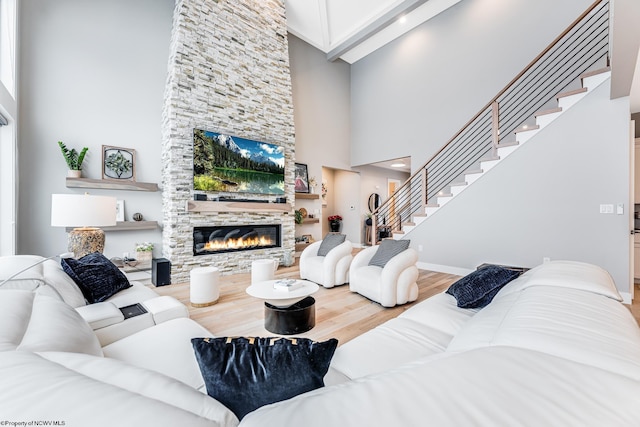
234, 238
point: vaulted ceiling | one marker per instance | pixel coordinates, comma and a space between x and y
352, 29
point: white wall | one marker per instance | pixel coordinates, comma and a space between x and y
374, 180
543, 200
411, 96
91, 74
321, 99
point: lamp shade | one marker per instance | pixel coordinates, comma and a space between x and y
82, 210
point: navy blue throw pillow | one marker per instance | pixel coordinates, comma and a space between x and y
246, 373
477, 289
96, 276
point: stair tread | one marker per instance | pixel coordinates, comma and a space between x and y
419, 215
595, 72
445, 195
409, 224
432, 205
489, 158
571, 92
527, 129
549, 111
507, 144
473, 171
458, 184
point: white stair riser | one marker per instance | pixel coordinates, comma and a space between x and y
505, 151
417, 220
592, 82
545, 119
430, 211
457, 189
408, 228
470, 178
487, 165
525, 135
397, 236
444, 200
568, 101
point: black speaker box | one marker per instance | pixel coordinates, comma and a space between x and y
160, 271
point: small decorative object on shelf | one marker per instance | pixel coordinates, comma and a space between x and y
120, 210
137, 216
298, 217
144, 253
335, 222
324, 190
74, 159
118, 163
312, 184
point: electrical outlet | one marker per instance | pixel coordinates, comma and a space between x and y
606, 209
420, 248
620, 209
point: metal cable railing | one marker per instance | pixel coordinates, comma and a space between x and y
583, 46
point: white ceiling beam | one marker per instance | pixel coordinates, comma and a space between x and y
324, 23
374, 27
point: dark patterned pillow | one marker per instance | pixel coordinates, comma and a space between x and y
329, 242
477, 289
96, 276
246, 373
387, 250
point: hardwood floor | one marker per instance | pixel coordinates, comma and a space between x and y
340, 313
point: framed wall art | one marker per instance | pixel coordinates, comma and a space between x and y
118, 163
302, 178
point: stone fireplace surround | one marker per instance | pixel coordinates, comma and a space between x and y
228, 72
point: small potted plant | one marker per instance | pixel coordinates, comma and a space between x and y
335, 221
144, 252
74, 159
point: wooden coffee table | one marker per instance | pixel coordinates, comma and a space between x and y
286, 312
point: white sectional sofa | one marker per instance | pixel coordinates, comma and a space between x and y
554, 347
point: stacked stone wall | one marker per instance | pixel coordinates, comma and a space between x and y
228, 72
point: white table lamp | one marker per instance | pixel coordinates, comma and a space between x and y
86, 213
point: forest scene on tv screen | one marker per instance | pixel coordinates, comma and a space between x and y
232, 164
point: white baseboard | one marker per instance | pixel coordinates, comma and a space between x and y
626, 297
444, 268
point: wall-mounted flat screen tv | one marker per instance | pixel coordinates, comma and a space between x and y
225, 163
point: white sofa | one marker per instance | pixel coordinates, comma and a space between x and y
555, 347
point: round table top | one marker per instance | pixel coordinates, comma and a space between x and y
281, 298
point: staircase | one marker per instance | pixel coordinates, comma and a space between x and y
575, 63
566, 100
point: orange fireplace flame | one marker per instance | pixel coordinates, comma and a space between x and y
239, 243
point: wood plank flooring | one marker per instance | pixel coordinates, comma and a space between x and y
340, 313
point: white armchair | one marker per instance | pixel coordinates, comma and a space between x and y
391, 285
329, 270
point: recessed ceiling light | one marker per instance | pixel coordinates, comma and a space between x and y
398, 165
402, 19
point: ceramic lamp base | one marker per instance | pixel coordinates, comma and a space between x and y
83, 241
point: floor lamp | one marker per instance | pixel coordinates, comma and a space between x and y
86, 213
